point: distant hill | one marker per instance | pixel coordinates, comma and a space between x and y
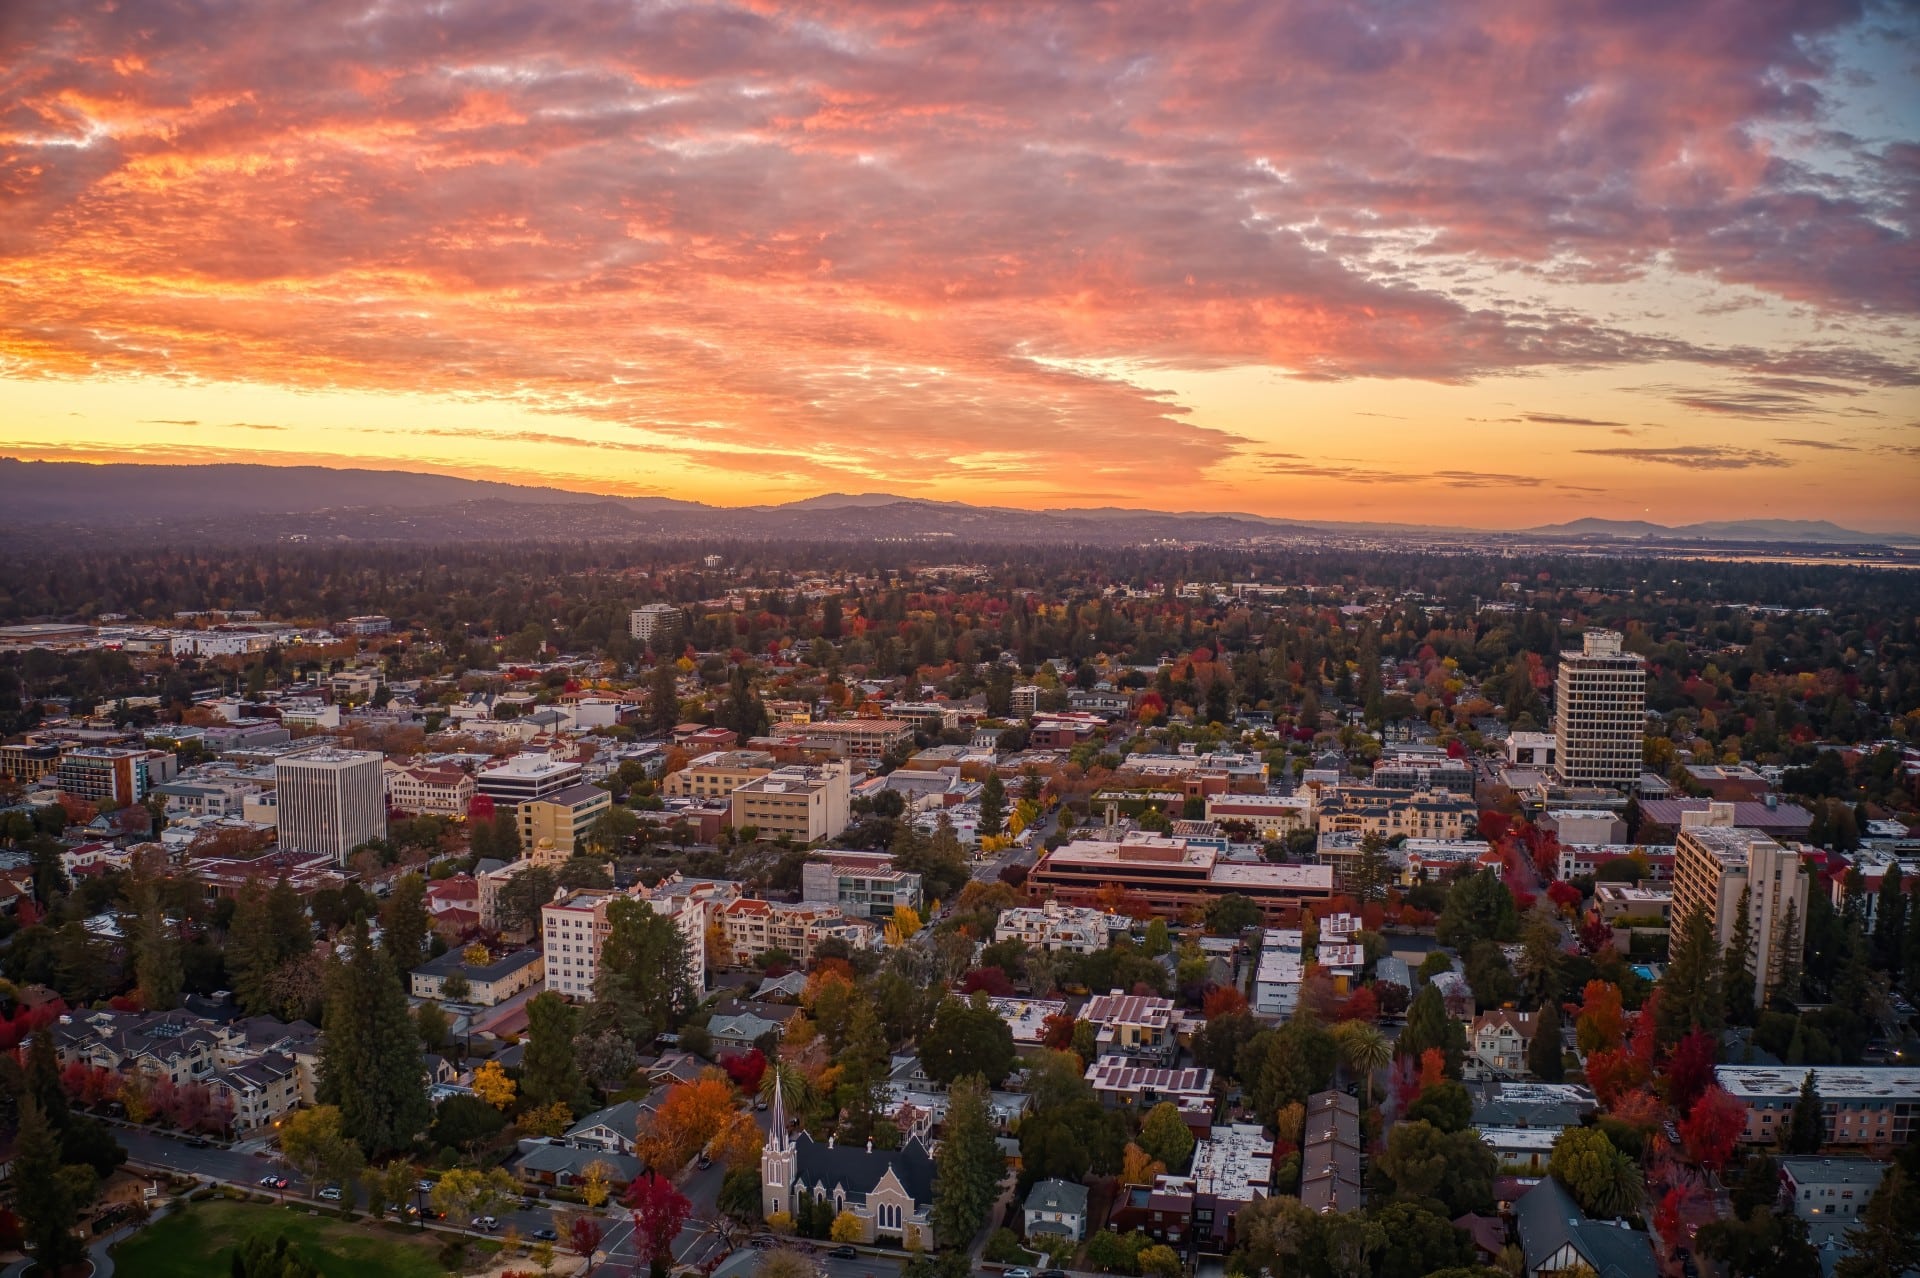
1800, 530
64, 504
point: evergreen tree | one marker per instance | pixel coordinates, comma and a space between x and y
252, 950
1370, 870
1428, 1025
1807, 1128
663, 697
549, 1070
403, 923
1890, 921
1544, 1057
49, 1193
1690, 993
1785, 987
644, 984
271, 1257
156, 947
370, 1062
993, 806
863, 1071
1909, 969
1738, 964
968, 1167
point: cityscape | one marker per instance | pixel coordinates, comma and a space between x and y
754, 640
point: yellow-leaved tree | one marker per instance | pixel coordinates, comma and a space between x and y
903, 925
491, 1084
846, 1228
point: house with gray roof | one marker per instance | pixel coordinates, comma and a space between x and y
1057, 1207
739, 1033
614, 1127
1555, 1235
546, 1162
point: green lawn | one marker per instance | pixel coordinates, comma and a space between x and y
200, 1239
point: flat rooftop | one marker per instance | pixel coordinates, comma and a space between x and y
1235, 1163
1833, 1082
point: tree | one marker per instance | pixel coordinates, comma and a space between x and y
1602, 1179
689, 1119
1690, 991
1417, 1241
404, 923
156, 946
1761, 1244
49, 1193
607, 1059
993, 806
491, 1084
1785, 985
1166, 1136
644, 983
370, 1063
1710, 1128
1232, 914
1602, 1022
1429, 1026
464, 1123
1159, 1260
967, 1037
663, 697
467, 1191
1807, 1127
549, 1069
269, 928
596, 1183
522, 896
1689, 1069
1371, 871
1445, 1104
1138, 1167
1478, 908
1545, 1060
659, 1210
968, 1166
1156, 941
1365, 1051
1449, 1172
846, 1228
583, 1233
1738, 964
1890, 920
611, 830
1886, 1241
314, 1143
262, 1256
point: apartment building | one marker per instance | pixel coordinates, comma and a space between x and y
655, 623
804, 803
748, 928
560, 820
863, 884
1416, 814
1599, 714
1831, 1191
1059, 928
424, 790
1422, 768
1171, 876
1716, 861
1272, 816
525, 777
106, 774
1122, 1082
1865, 1105
494, 981
1136, 1026
28, 761
859, 740
330, 801
1280, 972
718, 773
573, 926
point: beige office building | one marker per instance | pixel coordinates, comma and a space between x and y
717, 774
330, 801
1715, 861
805, 804
1599, 714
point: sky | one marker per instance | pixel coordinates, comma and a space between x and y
1495, 263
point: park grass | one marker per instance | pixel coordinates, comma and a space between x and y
199, 1239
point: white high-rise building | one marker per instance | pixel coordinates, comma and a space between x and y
654, 621
1600, 714
1716, 863
331, 801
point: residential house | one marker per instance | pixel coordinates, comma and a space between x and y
1556, 1236
1497, 1043
1057, 1208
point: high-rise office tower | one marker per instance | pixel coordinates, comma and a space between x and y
1600, 714
330, 801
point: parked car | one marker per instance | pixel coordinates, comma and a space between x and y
424, 1186
331, 1193
267, 1180
1017, 1272
199, 1142
1053, 1273
487, 1223
545, 1235
844, 1252
761, 1104
279, 1182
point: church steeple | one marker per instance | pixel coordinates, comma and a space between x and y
777, 1139
777, 1156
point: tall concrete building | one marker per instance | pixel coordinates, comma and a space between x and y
1599, 714
654, 623
1716, 861
331, 801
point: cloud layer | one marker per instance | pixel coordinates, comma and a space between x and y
839, 240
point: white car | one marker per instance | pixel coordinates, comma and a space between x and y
331, 1193
1017, 1272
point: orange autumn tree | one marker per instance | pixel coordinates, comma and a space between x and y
1602, 1022
1138, 1167
689, 1117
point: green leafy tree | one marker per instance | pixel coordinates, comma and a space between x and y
522, 896
1447, 1172
611, 830
644, 983
1232, 914
1761, 1244
967, 1037
1417, 1242
271, 1256
432, 1023
1429, 1026
967, 1168
663, 697
1478, 908
370, 1063
1166, 1136
1601, 1178
1156, 941
1890, 921
549, 1069
1446, 1105
1886, 1241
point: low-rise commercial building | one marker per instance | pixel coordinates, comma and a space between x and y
805, 804
1863, 1105
425, 790
1171, 876
561, 819
494, 981
718, 773
525, 777
1061, 929
863, 884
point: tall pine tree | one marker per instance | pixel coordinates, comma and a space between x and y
1544, 1056
967, 1168
1785, 986
50, 1193
1690, 993
993, 806
1890, 922
156, 947
1739, 964
1807, 1127
370, 1063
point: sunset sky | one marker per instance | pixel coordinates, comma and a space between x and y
1496, 263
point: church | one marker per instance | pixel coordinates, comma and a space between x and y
889, 1191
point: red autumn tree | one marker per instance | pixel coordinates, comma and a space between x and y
584, 1233
991, 980
1712, 1127
1563, 895
1058, 1034
745, 1069
1602, 1022
1433, 1068
1221, 1000
1361, 1005
659, 1210
1666, 1217
1689, 1069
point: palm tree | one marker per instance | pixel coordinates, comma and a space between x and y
1364, 1049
